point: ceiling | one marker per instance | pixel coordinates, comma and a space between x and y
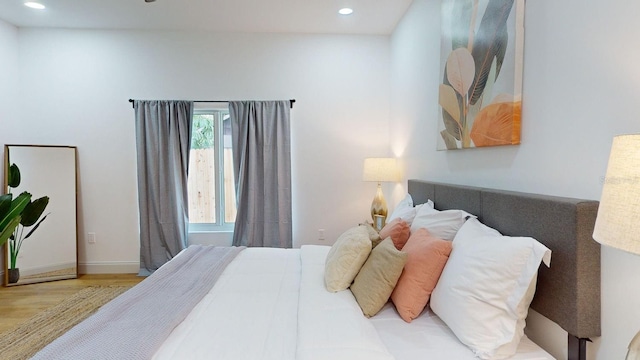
285, 16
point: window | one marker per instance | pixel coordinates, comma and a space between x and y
212, 197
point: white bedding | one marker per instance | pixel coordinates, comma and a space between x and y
428, 337
272, 304
331, 325
250, 313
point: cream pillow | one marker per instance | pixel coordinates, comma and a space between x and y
345, 258
441, 224
486, 288
378, 276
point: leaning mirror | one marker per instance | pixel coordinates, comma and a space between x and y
41, 181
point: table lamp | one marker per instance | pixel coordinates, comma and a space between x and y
379, 170
618, 221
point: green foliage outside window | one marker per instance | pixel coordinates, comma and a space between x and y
202, 132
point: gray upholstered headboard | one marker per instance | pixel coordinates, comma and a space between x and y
568, 293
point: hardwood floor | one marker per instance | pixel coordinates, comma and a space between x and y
19, 303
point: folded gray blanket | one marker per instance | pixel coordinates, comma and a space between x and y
134, 325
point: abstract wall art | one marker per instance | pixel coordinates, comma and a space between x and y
480, 96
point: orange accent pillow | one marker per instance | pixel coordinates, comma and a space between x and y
398, 230
427, 256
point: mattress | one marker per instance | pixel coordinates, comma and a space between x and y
272, 304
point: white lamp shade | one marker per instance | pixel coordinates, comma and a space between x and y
618, 221
380, 169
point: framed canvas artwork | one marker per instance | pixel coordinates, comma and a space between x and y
480, 95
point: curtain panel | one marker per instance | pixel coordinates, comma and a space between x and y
261, 144
163, 142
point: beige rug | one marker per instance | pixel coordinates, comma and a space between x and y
28, 338
63, 272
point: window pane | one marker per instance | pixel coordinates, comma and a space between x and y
202, 182
229, 186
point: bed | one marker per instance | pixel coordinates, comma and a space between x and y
568, 293
265, 303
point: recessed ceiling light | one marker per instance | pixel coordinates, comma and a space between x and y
34, 5
345, 11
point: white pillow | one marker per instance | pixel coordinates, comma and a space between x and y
406, 202
441, 224
406, 211
346, 257
486, 288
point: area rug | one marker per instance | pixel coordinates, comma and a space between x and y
49, 274
26, 339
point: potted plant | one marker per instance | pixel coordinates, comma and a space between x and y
10, 213
29, 217
10, 208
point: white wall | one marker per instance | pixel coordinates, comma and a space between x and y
8, 81
8, 91
74, 90
581, 86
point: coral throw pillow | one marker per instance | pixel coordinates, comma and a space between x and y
427, 256
398, 230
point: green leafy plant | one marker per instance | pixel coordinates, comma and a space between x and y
202, 132
11, 213
24, 217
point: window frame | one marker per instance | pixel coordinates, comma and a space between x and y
218, 140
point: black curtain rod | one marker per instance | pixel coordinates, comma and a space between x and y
291, 101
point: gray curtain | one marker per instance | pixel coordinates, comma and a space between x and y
262, 167
163, 136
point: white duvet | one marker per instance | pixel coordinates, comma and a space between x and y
250, 313
272, 304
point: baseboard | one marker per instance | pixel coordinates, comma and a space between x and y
109, 267
105, 267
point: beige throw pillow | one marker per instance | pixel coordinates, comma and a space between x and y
378, 276
345, 258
